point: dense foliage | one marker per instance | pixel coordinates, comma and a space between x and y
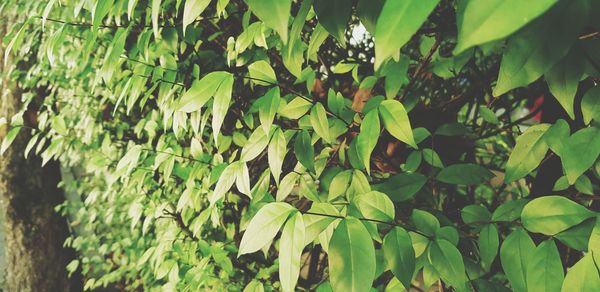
318, 144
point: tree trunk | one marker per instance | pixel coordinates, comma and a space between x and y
34, 233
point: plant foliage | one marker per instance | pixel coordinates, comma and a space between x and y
264, 145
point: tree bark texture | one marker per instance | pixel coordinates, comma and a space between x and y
35, 258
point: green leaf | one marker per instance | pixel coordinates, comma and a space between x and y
59, 125
464, 174
262, 73
563, 80
339, 184
101, 9
256, 144
201, 91
315, 224
318, 120
242, 179
590, 105
226, 180
290, 251
583, 276
475, 214
368, 12
578, 236
580, 152
488, 245
594, 242
221, 104
130, 8
557, 136
397, 23
552, 214
399, 255
317, 38
395, 120
334, 15
514, 256
268, 108
488, 115
264, 226
431, 157
16, 41
276, 153
254, 286
544, 270
448, 262
127, 163
402, 186
396, 76
351, 257
274, 13
305, 153
480, 22
375, 205
359, 185
532, 52
191, 10
47, 12
584, 185
367, 138
527, 154
425, 222
287, 185
155, 12
509, 211
9, 138
295, 108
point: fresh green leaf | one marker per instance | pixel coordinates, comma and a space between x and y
399, 255
488, 245
464, 174
367, 139
268, 108
375, 205
425, 222
583, 276
290, 251
274, 13
532, 52
481, 22
303, 148
334, 15
527, 154
448, 262
318, 120
262, 73
351, 250
264, 226
396, 24
191, 10
544, 270
395, 120
552, 214
276, 153
590, 105
256, 144
580, 152
514, 256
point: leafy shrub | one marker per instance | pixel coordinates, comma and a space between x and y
276, 145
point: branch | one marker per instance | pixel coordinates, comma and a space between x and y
420, 69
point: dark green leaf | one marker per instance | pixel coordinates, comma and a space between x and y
399, 255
